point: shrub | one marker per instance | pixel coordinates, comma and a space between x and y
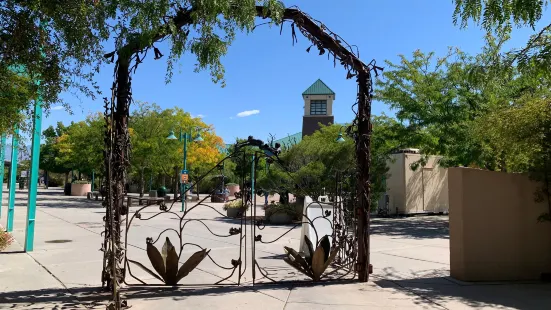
55, 181
282, 208
238, 203
5, 240
82, 182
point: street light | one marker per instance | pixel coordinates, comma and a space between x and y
185, 137
171, 136
198, 138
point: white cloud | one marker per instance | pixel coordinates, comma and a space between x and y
247, 113
57, 108
199, 116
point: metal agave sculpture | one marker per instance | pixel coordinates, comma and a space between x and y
166, 263
315, 262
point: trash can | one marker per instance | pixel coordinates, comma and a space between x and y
67, 189
161, 191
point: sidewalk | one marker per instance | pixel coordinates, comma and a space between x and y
410, 259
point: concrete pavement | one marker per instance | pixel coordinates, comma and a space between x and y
410, 258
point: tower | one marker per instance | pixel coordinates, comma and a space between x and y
318, 107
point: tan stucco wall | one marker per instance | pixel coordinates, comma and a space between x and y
422, 190
307, 99
395, 183
494, 234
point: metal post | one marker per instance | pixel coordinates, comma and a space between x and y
2, 159
150, 180
93, 179
183, 186
33, 186
13, 174
252, 180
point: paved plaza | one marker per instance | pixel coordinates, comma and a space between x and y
410, 257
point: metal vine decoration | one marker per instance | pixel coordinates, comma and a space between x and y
317, 253
118, 147
165, 262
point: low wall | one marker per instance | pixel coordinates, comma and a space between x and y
80, 189
494, 233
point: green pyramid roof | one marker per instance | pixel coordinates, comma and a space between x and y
318, 88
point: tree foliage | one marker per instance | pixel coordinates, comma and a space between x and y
64, 45
445, 103
153, 153
50, 152
309, 168
477, 111
501, 16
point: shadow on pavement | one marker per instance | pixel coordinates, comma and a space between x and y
421, 227
442, 290
80, 203
90, 297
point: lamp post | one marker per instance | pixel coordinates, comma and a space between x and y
185, 137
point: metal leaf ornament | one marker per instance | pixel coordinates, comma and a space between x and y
315, 262
165, 263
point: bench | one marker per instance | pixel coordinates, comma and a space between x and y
148, 200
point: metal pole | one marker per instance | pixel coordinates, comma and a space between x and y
252, 181
93, 179
150, 180
183, 190
13, 174
2, 159
33, 186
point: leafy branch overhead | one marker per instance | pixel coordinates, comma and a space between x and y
501, 16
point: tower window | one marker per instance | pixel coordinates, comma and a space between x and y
318, 107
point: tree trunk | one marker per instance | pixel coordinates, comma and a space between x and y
46, 179
66, 178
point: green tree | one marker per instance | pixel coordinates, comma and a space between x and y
81, 146
72, 36
309, 167
149, 127
428, 95
49, 151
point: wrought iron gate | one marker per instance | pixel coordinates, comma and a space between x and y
329, 256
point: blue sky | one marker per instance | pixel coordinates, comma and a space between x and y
265, 72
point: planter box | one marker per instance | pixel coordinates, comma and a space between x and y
233, 189
234, 212
280, 219
80, 189
217, 198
